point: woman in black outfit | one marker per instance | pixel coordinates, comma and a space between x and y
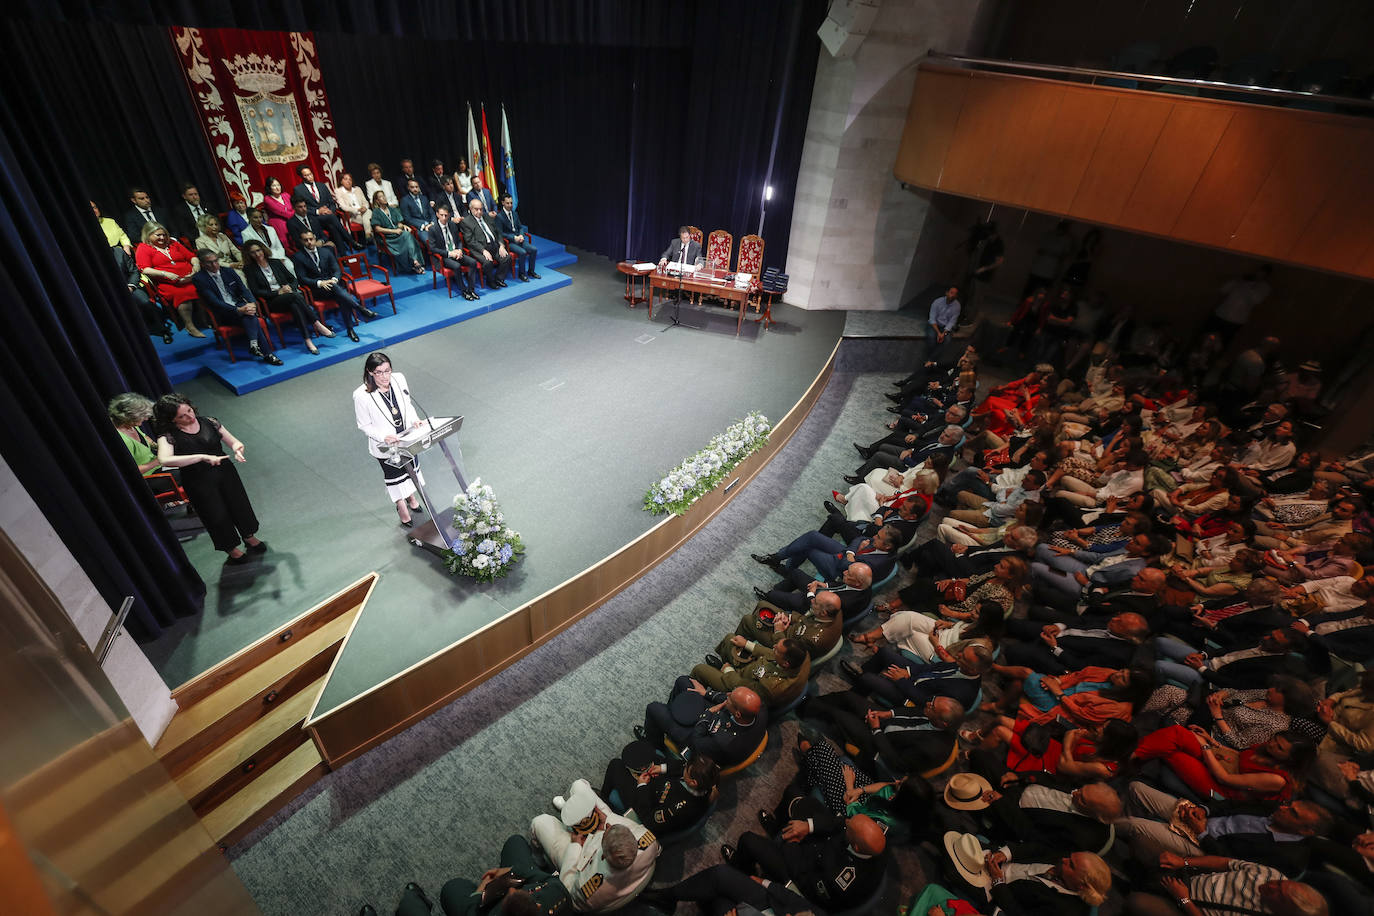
195, 444
271, 282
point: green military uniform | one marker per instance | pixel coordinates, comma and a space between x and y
775, 685
459, 896
817, 635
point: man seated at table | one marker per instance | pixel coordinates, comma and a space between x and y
681, 250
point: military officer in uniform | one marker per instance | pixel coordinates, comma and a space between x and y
518, 887
837, 870
725, 727
601, 856
667, 794
798, 589
778, 674
818, 629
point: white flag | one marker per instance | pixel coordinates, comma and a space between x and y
474, 149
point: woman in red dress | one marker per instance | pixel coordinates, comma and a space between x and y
170, 265
1268, 772
1009, 407
278, 208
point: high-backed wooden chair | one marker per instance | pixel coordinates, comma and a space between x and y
719, 246
750, 262
696, 235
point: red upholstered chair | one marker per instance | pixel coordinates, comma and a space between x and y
357, 276
695, 233
750, 262
719, 246
436, 268
225, 332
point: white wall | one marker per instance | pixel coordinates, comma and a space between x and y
137, 682
854, 230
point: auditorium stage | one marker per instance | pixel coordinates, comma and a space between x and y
574, 404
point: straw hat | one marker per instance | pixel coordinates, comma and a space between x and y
968, 857
964, 792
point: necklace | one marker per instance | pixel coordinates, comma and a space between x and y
389, 398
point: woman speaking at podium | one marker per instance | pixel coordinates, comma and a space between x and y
384, 412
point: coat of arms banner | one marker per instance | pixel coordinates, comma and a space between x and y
262, 106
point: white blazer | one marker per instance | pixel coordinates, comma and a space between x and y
385, 187
374, 417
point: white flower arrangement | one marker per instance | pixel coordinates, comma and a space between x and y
694, 477
487, 548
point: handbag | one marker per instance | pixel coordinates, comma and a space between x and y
952, 591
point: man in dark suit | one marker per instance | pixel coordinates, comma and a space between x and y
837, 869
797, 590
319, 197
445, 240
892, 457
480, 192
318, 268
889, 674
447, 196
681, 250
185, 216
305, 221
520, 884
142, 213
408, 173
727, 727
225, 295
416, 211
667, 795
935, 559
830, 558
433, 183
909, 740
1054, 819
517, 236
1056, 648
483, 241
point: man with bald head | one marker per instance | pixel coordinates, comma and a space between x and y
829, 558
483, 240
818, 628
797, 590
1221, 886
909, 739
726, 727
1052, 818
1057, 648
908, 456
836, 870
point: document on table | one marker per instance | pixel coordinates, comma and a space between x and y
645, 265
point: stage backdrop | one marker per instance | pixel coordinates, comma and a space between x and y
262, 104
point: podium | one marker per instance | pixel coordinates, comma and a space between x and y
436, 533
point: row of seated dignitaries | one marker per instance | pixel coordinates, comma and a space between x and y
479, 235
1112, 659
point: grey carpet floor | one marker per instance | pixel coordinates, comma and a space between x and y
574, 404
438, 800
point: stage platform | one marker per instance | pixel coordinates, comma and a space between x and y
420, 309
574, 405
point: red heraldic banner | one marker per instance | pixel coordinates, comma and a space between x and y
262, 106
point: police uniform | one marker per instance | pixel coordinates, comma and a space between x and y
459, 896
824, 868
775, 685
688, 719
817, 635
590, 880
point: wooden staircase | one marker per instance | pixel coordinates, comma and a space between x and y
237, 748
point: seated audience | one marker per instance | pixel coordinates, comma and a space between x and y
270, 281
171, 266
375, 182
317, 268
776, 673
352, 205
279, 208
726, 727
518, 240
259, 231
211, 238
388, 230
115, 235
230, 302
668, 795
600, 856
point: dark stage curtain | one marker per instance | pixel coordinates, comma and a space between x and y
71, 342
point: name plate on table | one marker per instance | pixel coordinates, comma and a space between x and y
680, 268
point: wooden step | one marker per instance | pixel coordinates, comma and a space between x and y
283, 721
258, 800
196, 732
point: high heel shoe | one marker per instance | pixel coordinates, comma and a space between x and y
420, 508
312, 349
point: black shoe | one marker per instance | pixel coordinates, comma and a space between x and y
894, 398
236, 561
353, 335
533, 276
501, 284
419, 892
369, 314
760, 594
408, 523
852, 480
271, 359
640, 733
367, 910
523, 279
767, 559
167, 335
714, 660
727, 853
851, 669
259, 547
768, 822
831, 508
896, 410
864, 451
420, 509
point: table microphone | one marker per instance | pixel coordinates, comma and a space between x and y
428, 418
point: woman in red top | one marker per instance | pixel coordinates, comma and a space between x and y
1268, 772
1009, 407
278, 208
169, 264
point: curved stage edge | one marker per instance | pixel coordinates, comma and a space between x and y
365, 721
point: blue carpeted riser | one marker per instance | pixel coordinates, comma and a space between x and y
420, 308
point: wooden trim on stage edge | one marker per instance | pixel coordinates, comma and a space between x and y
365, 721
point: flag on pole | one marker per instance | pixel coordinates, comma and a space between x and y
489, 179
508, 159
474, 148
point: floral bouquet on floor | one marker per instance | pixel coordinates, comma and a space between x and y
693, 478
487, 548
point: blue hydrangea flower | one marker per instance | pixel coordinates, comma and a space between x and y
486, 546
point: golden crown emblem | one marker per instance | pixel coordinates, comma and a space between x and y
257, 74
